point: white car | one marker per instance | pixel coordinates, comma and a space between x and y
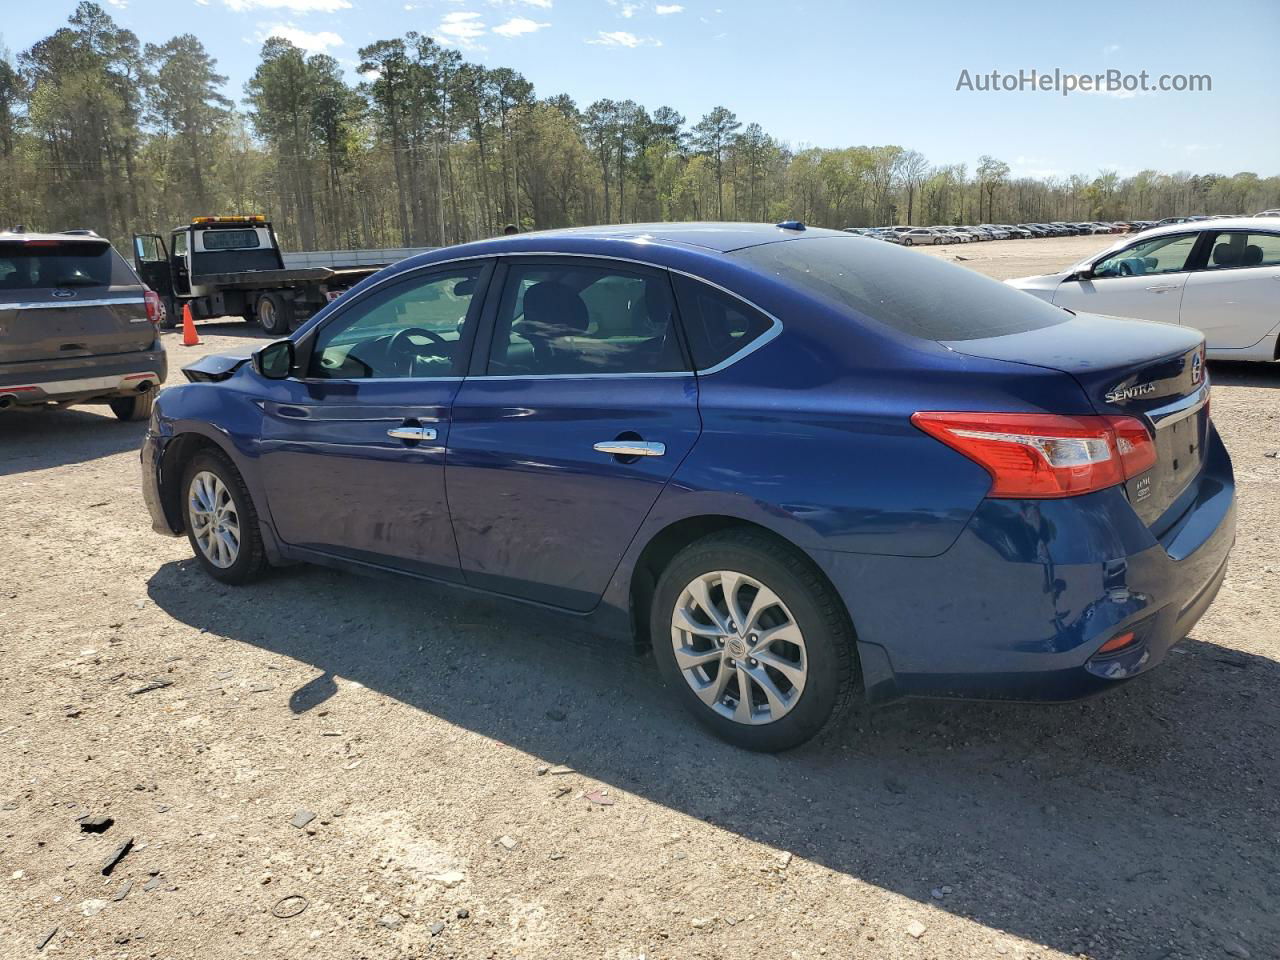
1220, 276
919, 235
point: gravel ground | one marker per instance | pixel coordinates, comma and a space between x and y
417, 725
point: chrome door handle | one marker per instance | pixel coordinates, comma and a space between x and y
412, 433
631, 448
1163, 287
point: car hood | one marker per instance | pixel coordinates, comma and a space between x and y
217, 366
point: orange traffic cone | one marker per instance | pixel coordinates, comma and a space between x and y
189, 338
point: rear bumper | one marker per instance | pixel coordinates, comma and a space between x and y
84, 378
1018, 607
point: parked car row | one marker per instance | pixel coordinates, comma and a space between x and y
928, 236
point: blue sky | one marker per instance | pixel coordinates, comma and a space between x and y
821, 72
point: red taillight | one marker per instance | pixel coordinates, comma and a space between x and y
154, 308
1042, 455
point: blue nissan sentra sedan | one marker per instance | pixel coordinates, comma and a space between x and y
801, 466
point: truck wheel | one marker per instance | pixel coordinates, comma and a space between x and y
172, 314
275, 314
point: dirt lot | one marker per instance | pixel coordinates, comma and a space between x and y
415, 723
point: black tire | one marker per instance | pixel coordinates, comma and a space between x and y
172, 314
831, 659
907, 242
137, 407
275, 314
251, 561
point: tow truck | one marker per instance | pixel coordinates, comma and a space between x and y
232, 266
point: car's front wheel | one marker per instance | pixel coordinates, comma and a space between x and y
754, 641
907, 241
221, 522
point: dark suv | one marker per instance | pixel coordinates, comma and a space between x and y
76, 325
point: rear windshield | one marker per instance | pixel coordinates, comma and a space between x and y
230, 239
913, 292
35, 265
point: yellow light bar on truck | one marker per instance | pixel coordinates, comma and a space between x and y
246, 218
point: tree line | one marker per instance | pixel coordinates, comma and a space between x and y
100, 131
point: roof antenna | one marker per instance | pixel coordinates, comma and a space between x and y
790, 224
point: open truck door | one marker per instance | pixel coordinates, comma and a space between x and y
151, 261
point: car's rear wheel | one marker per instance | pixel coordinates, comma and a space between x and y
753, 640
221, 522
137, 407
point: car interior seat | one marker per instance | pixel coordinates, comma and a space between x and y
553, 313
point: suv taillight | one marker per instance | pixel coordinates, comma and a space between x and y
154, 308
1041, 455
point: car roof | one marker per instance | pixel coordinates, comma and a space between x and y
1224, 223
8, 236
720, 237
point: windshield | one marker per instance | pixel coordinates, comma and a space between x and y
912, 292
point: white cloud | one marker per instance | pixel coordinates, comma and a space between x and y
202, 3
517, 26
293, 6
629, 9
663, 9
318, 42
621, 38
119, 4
1111, 48
540, 4
461, 27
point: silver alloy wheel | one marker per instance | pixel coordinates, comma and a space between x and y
738, 647
215, 523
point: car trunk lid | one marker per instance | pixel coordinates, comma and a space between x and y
1152, 371
63, 299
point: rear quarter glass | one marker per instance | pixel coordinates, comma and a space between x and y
913, 293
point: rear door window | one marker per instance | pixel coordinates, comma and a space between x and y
578, 318
1240, 249
37, 265
910, 292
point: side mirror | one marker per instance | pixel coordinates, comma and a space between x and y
1084, 273
276, 360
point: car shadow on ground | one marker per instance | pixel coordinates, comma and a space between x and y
80, 434
1141, 824
1239, 373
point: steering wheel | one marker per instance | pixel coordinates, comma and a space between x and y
401, 351
1126, 268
